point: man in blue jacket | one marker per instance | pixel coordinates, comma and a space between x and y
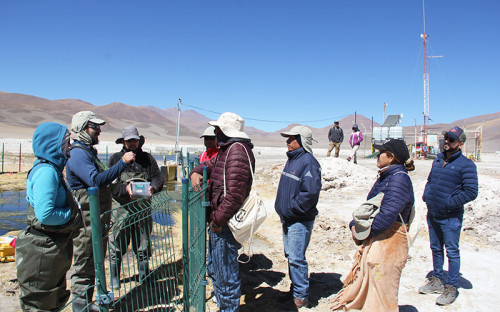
85, 170
452, 183
298, 194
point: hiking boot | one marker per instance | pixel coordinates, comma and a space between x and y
449, 295
299, 303
348, 158
434, 285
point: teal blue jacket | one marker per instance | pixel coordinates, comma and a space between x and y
44, 186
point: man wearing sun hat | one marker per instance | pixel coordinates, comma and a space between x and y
235, 161
451, 184
84, 170
296, 200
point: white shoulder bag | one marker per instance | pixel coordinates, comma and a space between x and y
245, 222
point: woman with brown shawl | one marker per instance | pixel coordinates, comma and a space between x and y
373, 282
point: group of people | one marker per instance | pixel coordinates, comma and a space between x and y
58, 213
336, 137
373, 282
58, 236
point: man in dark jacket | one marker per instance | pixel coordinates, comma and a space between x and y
298, 194
233, 161
336, 137
85, 170
143, 169
452, 183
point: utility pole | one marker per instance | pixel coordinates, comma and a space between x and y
385, 104
178, 131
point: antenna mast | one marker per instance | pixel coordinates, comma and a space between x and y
425, 39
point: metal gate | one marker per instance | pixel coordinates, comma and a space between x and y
194, 240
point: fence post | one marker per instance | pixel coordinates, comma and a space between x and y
185, 243
103, 297
20, 157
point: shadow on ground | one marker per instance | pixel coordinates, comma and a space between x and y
258, 283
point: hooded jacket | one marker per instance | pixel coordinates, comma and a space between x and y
356, 138
299, 187
451, 184
44, 187
238, 179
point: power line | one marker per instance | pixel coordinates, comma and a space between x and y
271, 121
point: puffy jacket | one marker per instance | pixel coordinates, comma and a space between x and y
144, 162
238, 179
299, 187
398, 198
356, 138
451, 184
44, 187
336, 135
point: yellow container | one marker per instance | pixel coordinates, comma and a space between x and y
6, 250
172, 172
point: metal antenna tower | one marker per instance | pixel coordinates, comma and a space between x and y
425, 40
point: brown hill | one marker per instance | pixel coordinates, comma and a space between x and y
20, 114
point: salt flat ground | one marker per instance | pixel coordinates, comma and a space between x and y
345, 186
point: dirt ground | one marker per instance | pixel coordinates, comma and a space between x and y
345, 186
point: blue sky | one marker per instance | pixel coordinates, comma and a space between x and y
290, 61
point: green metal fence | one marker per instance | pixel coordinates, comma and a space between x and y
194, 241
143, 240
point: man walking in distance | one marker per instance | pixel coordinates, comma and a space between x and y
452, 183
298, 194
336, 137
231, 164
144, 168
84, 170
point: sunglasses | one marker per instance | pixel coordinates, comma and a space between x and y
132, 141
94, 126
449, 139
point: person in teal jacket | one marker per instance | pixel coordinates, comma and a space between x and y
45, 248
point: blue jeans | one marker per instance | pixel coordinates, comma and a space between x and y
224, 270
296, 237
445, 232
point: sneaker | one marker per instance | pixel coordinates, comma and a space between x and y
449, 295
434, 285
299, 303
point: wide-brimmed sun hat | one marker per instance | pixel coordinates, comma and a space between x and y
231, 125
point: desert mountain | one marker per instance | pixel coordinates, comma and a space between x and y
20, 114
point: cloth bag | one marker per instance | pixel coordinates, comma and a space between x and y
245, 222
